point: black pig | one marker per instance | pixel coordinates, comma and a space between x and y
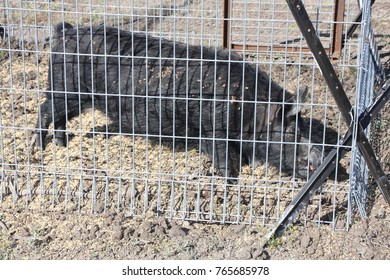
160, 88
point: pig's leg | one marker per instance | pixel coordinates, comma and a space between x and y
217, 149
45, 117
59, 117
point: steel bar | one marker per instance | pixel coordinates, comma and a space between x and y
337, 38
226, 24
312, 185
318, 51
329, 163
305, 25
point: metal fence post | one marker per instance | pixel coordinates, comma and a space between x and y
336, 88
337, 38
298, 10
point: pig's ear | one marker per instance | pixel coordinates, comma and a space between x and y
300, 99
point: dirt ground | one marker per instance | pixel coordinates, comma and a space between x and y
57, 230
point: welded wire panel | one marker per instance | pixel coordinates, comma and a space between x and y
268, 26
367, 72
135, 106
185, 20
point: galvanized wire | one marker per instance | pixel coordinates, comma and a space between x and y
139, 173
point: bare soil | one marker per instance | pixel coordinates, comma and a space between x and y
47, 229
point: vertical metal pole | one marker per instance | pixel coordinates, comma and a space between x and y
305, 25
337, 38
226, 24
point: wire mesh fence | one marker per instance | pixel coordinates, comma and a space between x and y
275, 30
367, 75
151, 116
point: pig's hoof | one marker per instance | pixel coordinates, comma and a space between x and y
59, 141
36, 142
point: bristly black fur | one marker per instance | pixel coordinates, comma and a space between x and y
160, 88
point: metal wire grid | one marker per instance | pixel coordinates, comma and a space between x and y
274, 31
100, 169
367, 73
190, 21
275, 24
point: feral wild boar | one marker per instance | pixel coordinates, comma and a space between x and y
164, 89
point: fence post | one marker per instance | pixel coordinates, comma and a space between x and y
305, 25
339, 95
337, 38
226, 24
